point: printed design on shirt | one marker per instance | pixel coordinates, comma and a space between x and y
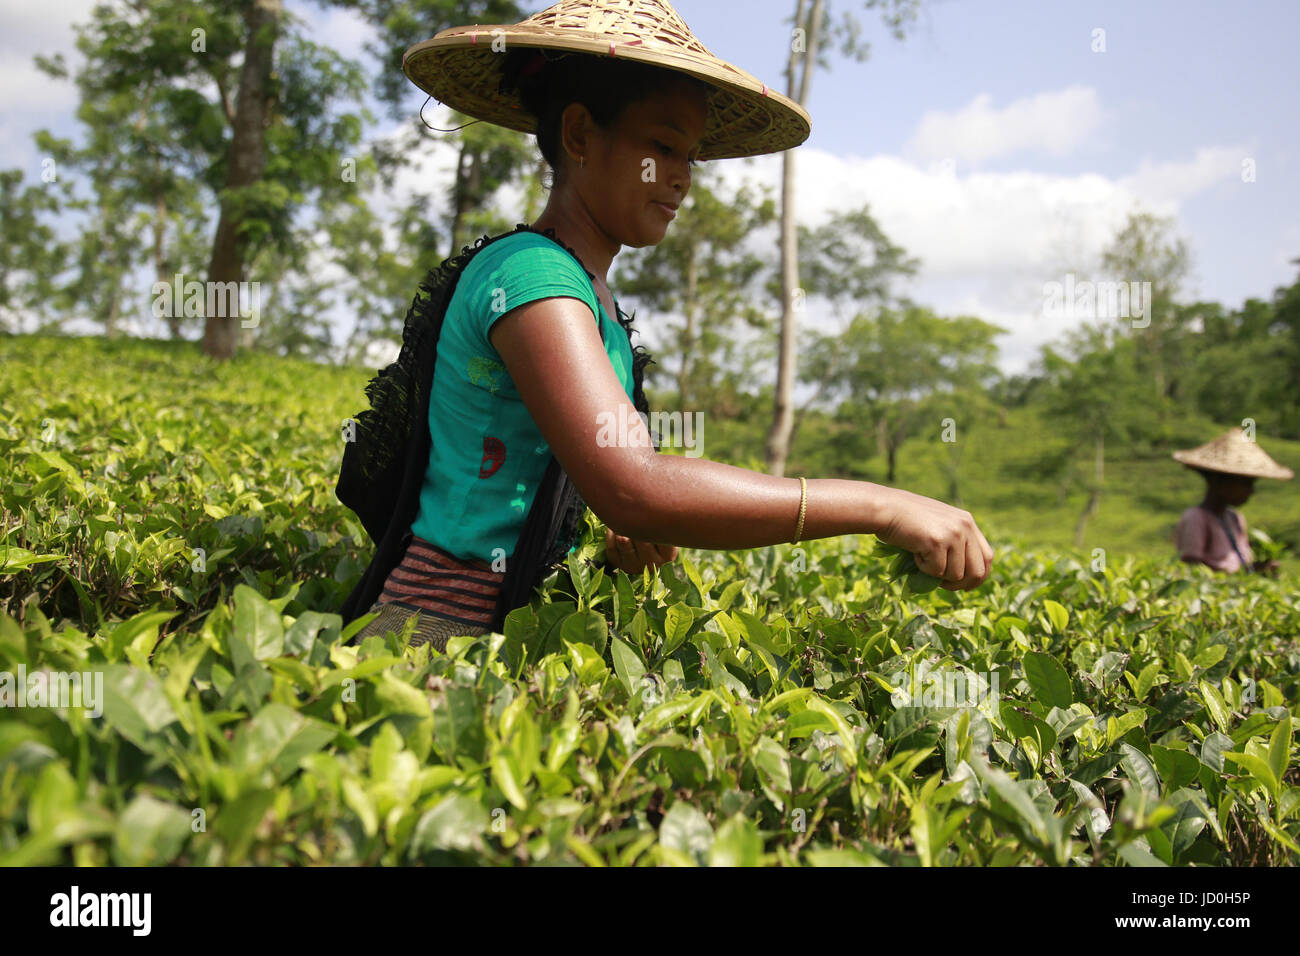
485, 372
494, 456
518, 503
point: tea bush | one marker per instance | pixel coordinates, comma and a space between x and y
800, 705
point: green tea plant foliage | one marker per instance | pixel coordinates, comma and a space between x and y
822, 704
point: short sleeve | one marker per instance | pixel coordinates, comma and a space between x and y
518, 270
1190, 537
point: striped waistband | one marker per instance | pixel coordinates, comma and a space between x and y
430, 580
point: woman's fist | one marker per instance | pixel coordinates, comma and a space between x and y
946, 541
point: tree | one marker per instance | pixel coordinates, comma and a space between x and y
1245, 362
1237, 361
384, 262
31, 255
231, 98
141, 155
245, 163
805, 52
400, 24
489, 156
848, 260
703, 271
1094, 392
298, 293
1144, 252
1286, 309
905, 367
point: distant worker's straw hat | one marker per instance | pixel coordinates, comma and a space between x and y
462, 68
1234, 454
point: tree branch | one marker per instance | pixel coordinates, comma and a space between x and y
226, 106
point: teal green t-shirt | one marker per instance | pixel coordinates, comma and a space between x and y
487, 456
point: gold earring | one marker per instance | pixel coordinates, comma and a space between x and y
582, 160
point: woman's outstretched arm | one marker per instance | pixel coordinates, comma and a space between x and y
553, 352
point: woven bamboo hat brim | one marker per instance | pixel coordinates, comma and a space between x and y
1234, 454
461, 68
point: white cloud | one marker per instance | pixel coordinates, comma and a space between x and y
344, 31
44, 27
28, 98
1169, 181
25, 89
1047, 122
988, 242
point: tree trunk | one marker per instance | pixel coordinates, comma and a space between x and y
954, 487
534, 192
468, 179
160, 267
803, 410
161, 271
1089, 510
689, 307
458, 199
114, 309
245, 164
1094, 499
778, 436
1150, 344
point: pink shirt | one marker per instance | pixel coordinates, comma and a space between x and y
1201, 537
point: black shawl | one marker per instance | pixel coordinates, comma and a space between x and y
387, 451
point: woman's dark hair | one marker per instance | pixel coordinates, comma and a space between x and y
548, 82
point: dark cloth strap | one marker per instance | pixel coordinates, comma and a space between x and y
1232, 539
540, 531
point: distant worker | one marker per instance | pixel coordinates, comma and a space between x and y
1214, 532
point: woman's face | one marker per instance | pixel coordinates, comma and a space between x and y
1234, 489
642, 161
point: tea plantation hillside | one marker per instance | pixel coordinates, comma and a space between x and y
996, 467
169, 534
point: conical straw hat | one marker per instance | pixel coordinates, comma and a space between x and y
461, 67
1234, 454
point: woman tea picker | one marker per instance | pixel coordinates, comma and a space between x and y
533, 353
1214, 532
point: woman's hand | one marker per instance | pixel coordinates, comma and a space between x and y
945, 540
632, 557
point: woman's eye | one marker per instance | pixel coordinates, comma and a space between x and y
668, 151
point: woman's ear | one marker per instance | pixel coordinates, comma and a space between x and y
576, 123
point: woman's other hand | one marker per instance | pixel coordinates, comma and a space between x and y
632, 557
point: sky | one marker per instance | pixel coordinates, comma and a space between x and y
1001, 142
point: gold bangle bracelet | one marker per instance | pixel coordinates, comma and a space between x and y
803, 508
